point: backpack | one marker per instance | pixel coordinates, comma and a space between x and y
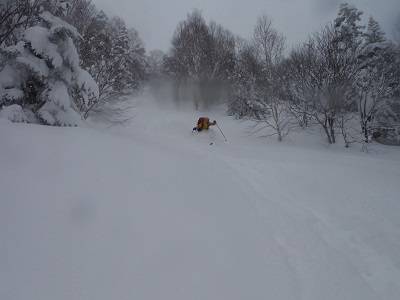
200, 121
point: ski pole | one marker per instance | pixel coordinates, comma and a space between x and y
221, 132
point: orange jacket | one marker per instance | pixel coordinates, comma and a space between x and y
205, 124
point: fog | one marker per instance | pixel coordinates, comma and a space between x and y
156, 20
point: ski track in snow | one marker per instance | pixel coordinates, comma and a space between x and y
338, 258
344, 254
302, 239
305, 240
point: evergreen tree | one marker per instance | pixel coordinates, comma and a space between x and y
349, 33
375, 80
43, 75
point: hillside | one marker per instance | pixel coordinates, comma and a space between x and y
154, 211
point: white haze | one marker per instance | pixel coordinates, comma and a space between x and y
157, 20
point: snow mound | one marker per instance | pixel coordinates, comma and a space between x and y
14, 113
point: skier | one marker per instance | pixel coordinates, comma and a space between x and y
204, 123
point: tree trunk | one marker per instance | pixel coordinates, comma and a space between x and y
327, 134
276, 118
331, 122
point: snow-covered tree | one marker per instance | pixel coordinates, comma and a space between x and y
323, 80
259, 88
115, 56
376, 81
270, 110
155, 61
15, 17
202, 57
320, 81
80, 14
136, 64
112, 54
342, 74
244, 88
349, 33
345, 43
301, 82
43, 74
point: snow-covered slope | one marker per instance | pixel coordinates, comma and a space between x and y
153, 211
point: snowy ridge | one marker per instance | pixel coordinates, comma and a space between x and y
154, 211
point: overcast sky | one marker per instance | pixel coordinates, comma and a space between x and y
156, 20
